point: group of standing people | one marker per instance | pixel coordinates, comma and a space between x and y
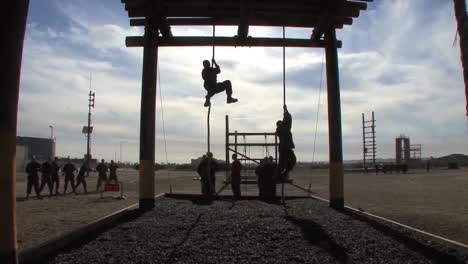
50, 176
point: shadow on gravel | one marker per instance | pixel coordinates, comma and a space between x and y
172, 255
316, 236
436, 255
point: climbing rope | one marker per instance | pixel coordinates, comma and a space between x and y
284, 99
163, 124
284, 66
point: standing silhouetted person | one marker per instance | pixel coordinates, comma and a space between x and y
46, 177
80, 178
236, 167
68, 170
287, 158
55, 175
265, 172
102, 174
207, 170
113, 171
211, 84
32, 168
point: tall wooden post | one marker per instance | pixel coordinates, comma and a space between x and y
334, 121
148, 118
11, 51
462, 22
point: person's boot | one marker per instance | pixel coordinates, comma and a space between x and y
231, 100
207, 102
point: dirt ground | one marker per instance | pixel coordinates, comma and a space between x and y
434, 202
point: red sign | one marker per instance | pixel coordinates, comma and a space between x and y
112, 187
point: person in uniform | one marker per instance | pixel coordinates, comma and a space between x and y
32, 169
55, 176
113, 171
212, 86
69, 170
81, 177
236, 167
266, 180
46, 177
102, 174
287, 158
207, 171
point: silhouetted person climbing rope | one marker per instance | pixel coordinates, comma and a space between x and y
211, 84
287, 158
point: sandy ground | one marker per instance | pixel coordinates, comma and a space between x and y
434, 202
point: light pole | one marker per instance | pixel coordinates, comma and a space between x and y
89, 128
121, 142
51, 132
52, 141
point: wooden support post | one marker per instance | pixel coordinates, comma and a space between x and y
462, 23
334, 122
148, 118
11, 50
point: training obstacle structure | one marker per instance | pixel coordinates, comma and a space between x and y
233, 147
323, 17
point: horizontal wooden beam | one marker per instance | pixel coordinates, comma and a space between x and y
278, 13
251, 134
253, 144
272, 22
138, 41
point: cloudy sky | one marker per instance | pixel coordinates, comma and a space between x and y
398, 59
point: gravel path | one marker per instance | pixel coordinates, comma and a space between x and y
251, 231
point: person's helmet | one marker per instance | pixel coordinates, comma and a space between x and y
206, 63
209, 154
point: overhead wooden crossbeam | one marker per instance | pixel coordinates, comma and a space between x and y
318, 15
305, 22
227, 42
230, 8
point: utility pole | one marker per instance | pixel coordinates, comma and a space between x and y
89, 129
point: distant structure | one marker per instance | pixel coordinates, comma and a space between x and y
369, 149
27, 147
405, 152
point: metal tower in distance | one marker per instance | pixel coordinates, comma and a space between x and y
369, 149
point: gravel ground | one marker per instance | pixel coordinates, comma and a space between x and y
251, 231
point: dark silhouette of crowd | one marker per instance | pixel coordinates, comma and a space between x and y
49, 172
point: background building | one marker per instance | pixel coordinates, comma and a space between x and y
27, 147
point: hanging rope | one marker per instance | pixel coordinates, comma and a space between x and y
163, 124
213, 57
209, 107
284, 97
317, 114
284, 66
318, 105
